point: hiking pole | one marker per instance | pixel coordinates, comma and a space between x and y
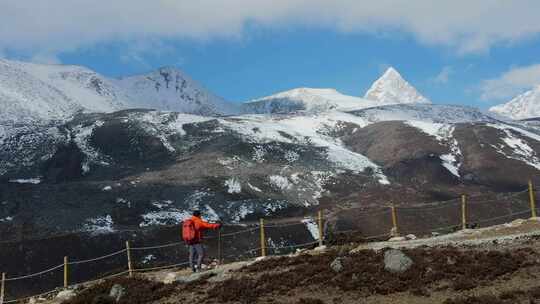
219, 247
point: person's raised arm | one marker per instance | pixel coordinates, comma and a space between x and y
206, 225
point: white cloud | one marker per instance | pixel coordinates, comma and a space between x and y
46, 58
511, 82
444, 76
64, 25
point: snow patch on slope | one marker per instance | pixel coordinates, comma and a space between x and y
35, 181
308, 130
306, 99
520, 149
423, 112
233, 185
169, 217
312, 227
81, 137
99, 225
444, 134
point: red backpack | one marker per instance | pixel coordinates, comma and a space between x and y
189, 233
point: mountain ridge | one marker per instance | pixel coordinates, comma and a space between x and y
31, 92
390, 88
523, 106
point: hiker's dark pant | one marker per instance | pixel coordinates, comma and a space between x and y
196, 256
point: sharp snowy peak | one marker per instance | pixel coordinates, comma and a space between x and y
35, 91
391, 88
306, 99
526, 105
171, 90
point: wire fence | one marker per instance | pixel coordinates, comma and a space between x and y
282, 238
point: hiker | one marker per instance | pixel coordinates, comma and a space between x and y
192, 229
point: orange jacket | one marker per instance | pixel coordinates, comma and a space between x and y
201, 225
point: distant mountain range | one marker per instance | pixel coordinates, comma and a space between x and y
390, 88
31, 91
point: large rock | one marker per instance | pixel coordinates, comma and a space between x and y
396, 261
65, 295
337, 265
117, 292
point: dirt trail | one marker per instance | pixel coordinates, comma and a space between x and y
484, 237
500, 264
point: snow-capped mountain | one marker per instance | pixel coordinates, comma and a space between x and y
430, 113
391, 88
30, 92
526, 105
170, 89
306, 99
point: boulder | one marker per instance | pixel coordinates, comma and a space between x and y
396, 261
117, 292
170, 278
410, 237
320, 248
337, 265
65, 295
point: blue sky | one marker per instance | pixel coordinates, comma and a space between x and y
242, 49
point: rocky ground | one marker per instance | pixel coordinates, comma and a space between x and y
499, 264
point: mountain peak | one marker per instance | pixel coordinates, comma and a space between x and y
526, 105
169, 88
391, 73
392, 88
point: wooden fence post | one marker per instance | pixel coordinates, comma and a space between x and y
464, 212
3, 288
532, 199
219, 247
263, 239
130, 265
66, 283
321, 228
394, 220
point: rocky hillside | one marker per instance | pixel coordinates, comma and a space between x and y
140, 168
